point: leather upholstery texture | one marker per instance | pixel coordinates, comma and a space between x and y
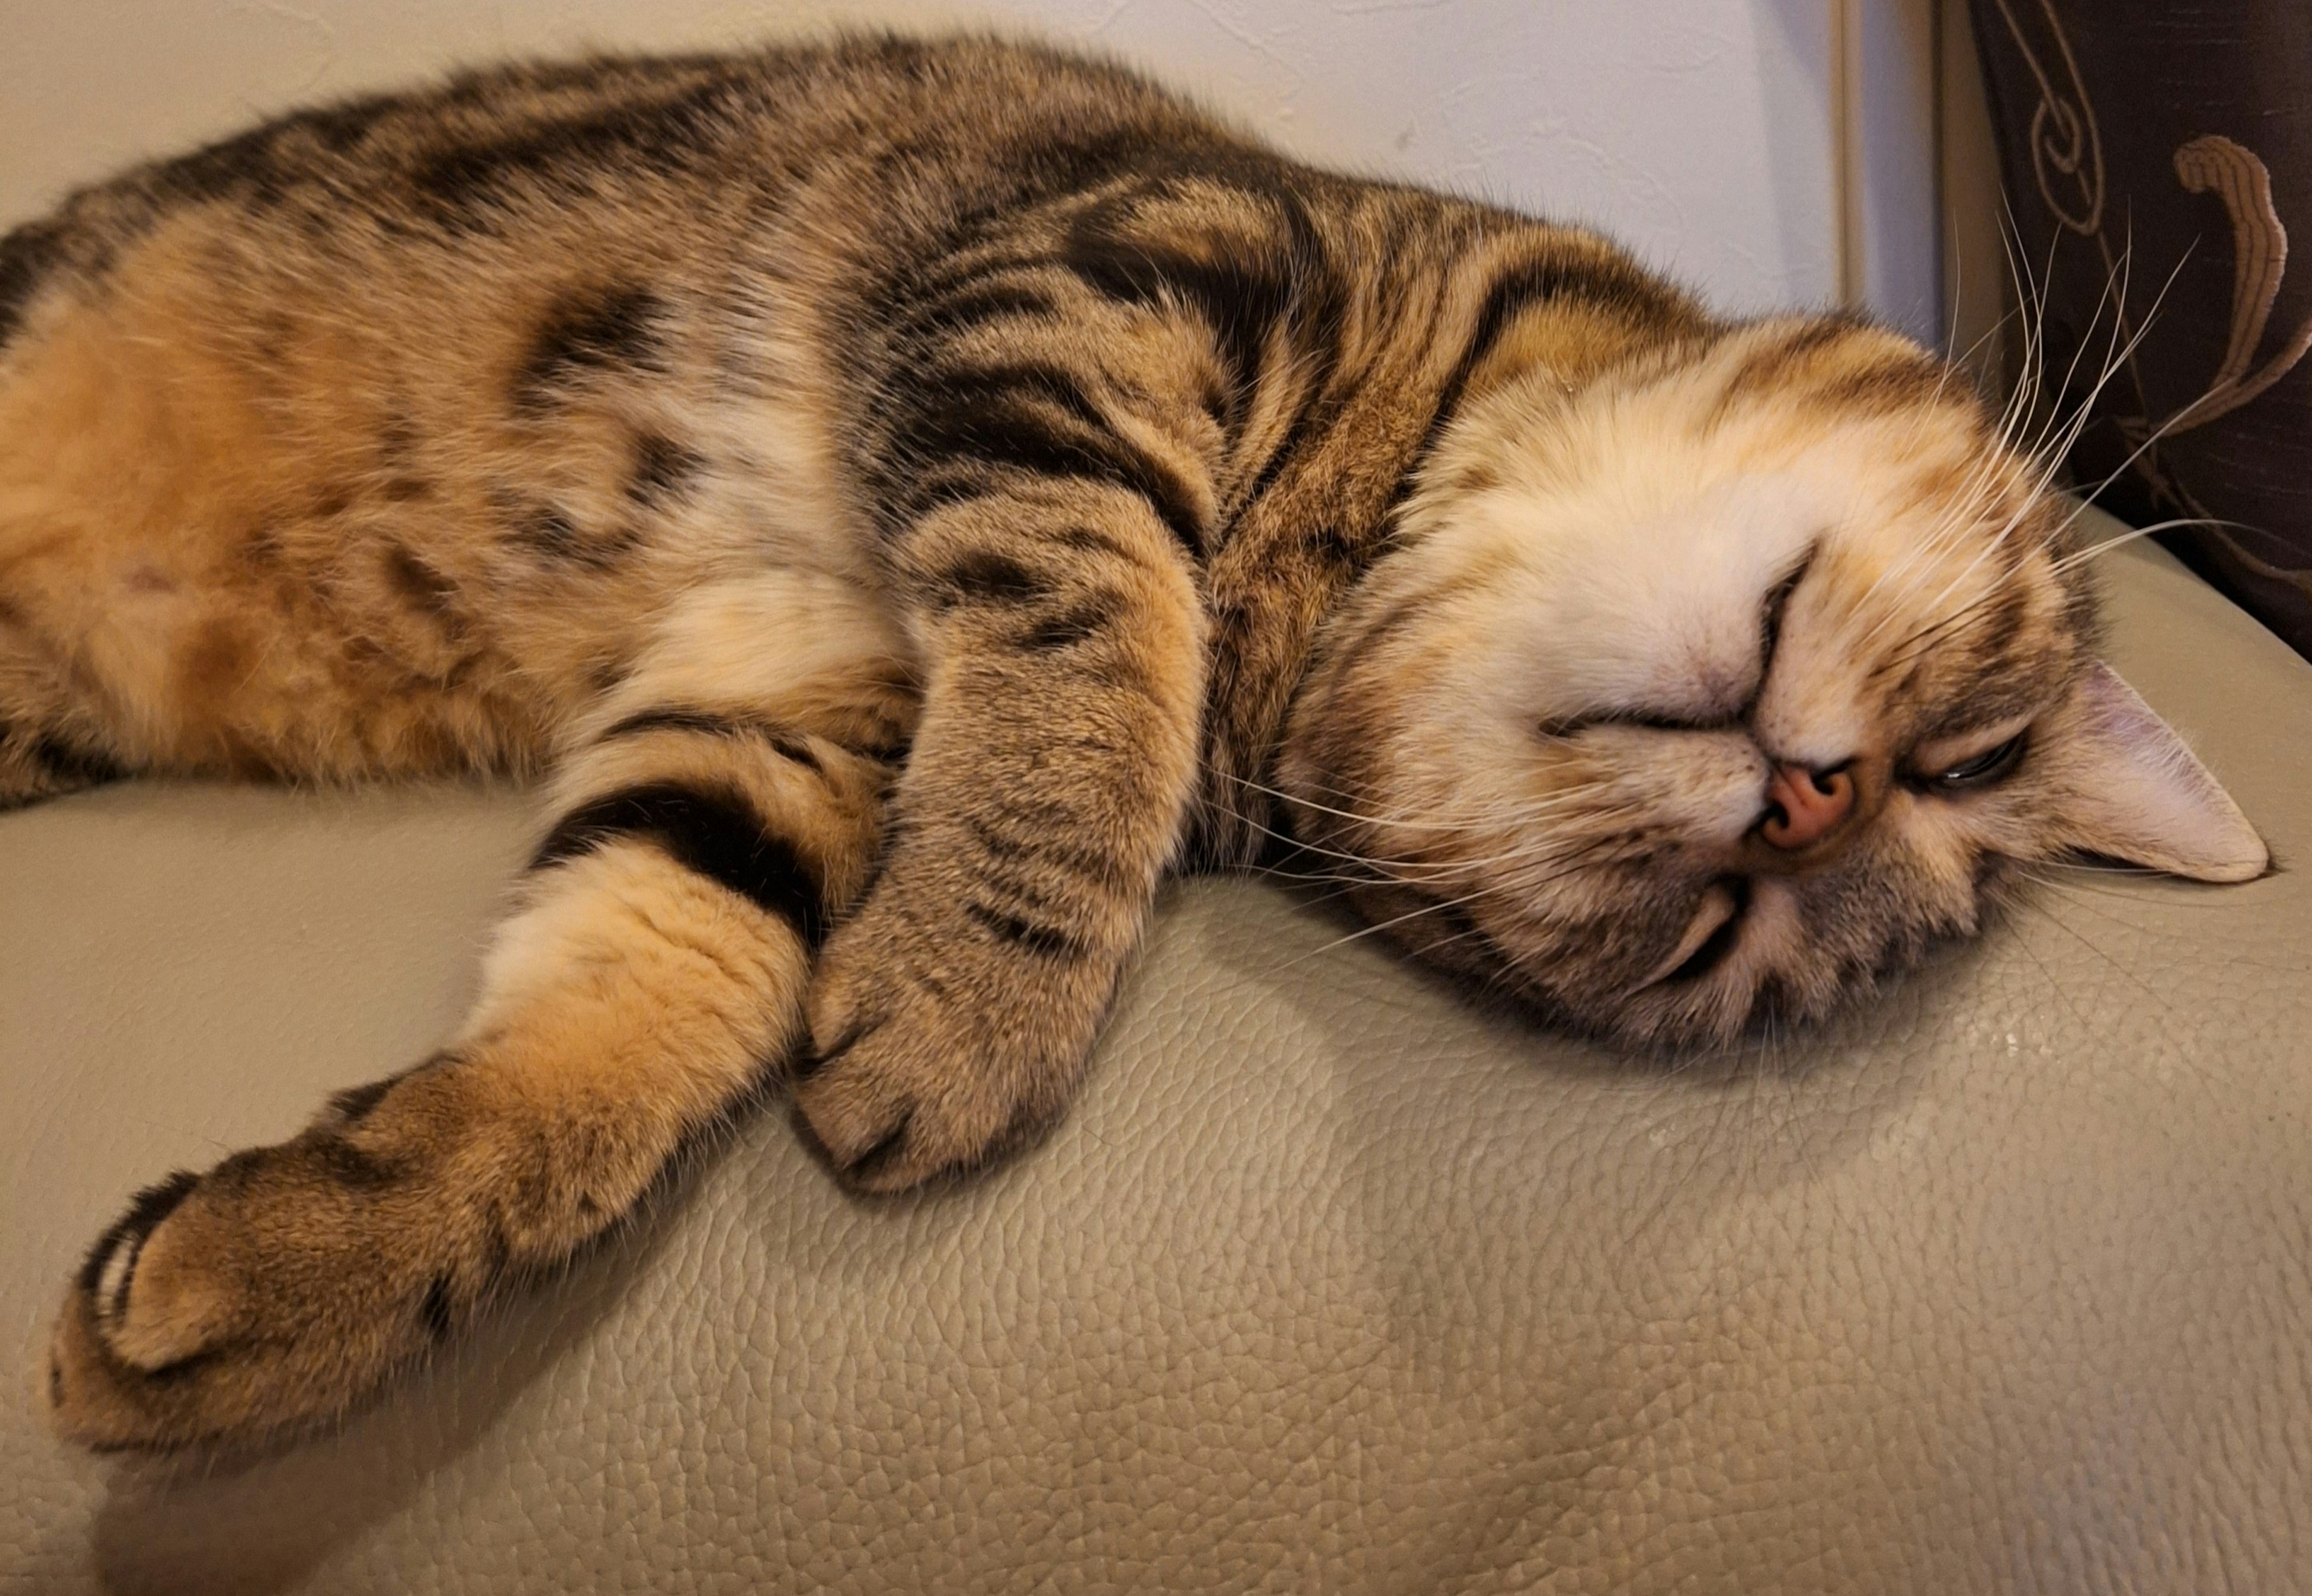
1329, 1283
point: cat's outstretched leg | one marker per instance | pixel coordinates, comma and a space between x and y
653, 977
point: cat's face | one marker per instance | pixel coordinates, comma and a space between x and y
1713, 692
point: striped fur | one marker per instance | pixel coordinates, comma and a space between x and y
905, 497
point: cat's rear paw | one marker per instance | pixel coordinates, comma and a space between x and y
278, 1290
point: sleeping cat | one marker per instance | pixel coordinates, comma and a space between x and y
907, 496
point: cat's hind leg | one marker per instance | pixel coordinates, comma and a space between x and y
650, 981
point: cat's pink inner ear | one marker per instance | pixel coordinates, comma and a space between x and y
2140, 794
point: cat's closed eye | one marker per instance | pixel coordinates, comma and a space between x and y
1984, 769
1973, 760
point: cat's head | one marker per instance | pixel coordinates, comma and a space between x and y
1718, 688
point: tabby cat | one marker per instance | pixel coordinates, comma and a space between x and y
905, 497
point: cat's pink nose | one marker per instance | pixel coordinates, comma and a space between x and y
1803, 806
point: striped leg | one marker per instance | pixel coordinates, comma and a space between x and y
655, 968
952, 1014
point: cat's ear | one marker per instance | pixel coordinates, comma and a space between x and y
2138, 794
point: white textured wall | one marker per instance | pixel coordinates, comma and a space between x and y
1699, 131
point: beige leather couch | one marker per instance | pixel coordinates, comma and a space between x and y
1327, 1286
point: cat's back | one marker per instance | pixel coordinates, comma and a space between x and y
416, 408
423, 407
865, 144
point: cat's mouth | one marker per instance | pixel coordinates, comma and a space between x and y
1709, 938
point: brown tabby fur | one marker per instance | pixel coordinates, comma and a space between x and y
896, 489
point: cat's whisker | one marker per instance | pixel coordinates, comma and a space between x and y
1382, 864
1380, 925
1915, 644
1442, 906
2020, 405
1506, 809
2070, 433
2151, 440
2101, 867
2054, 441
2120, 541
2131, 977
2031, 305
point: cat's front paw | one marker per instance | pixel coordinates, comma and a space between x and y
935, 1050
280, 1289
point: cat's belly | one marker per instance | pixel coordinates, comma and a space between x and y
375, 532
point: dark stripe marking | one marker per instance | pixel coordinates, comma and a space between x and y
1037, 419
1074, 624
357, 1103
434, 1312
468, 183
787, 743
27, 256
1048, 942
426, 588
991, 578
260, 166
347, 1165
552, 535
1090, 540
1891, 385
1331, 542
1047, 843
714, 834
1516, 290
1243, 300
616, 329
1771, 367
663, 469
1245, 289
550, 532
66, 762
972, 305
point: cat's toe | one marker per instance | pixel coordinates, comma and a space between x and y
223, 1307
151, 1308
150, 1327
901, 1097
100, 1398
